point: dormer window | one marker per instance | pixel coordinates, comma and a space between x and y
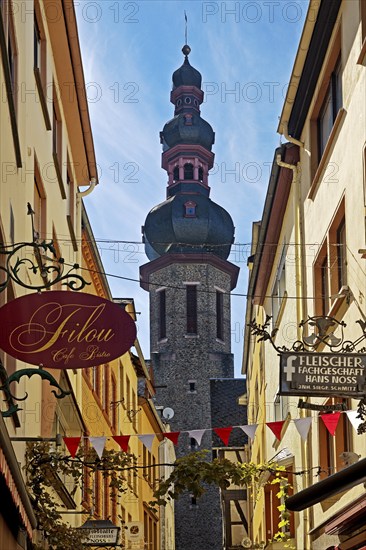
188, 171
190, 209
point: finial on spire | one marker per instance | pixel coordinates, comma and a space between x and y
186, 50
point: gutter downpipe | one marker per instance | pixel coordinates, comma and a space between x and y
79, 197
301, 311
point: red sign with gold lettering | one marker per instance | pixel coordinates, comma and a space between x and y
65, 330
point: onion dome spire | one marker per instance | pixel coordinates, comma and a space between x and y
187, 75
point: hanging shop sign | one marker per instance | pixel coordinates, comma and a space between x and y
65, 330
323, 374
100, 533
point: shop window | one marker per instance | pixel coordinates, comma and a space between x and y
191, 301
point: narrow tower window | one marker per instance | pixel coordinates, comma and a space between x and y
188, 171
219, 315
162, 314
176, 173
200, 173
191, 309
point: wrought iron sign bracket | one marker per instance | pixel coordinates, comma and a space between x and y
19, 260
15, 377
51, 274
318, 334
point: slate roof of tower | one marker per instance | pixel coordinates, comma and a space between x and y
225, 410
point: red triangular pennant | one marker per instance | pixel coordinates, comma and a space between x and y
276, 428
72, 444
331, 421
122, 441
224, 434
173, 436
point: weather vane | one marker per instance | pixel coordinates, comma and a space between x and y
186, 26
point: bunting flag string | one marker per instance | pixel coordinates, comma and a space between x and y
331, 421
122, 441
224, 434
302, 425
276, 428
72, 444
98, 443
173, 436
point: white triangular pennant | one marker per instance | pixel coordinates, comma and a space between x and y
352, 418
249, 430
98, 443
147, 440
197, 435
303, 426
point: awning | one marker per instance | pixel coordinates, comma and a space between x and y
332, 485
5, 471
9, 468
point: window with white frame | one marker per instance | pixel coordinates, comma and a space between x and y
279, 286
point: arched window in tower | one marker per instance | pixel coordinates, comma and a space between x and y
188, 171
176, 173
191, 309
200, 173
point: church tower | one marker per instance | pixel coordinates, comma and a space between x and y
188, 239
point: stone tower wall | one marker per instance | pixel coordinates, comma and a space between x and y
180, 360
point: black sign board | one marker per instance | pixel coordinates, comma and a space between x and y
323, 374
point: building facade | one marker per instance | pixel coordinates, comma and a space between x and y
46, 153
307, 263
187, 240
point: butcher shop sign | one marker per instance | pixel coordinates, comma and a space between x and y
65, 330
322, 374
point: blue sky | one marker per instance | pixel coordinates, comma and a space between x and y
245, 52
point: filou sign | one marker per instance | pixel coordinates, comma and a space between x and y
65, 330
323, 374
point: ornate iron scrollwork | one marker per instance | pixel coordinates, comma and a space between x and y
16, 267
318, 332
15, 377
51, 274
322, 334
22, 258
